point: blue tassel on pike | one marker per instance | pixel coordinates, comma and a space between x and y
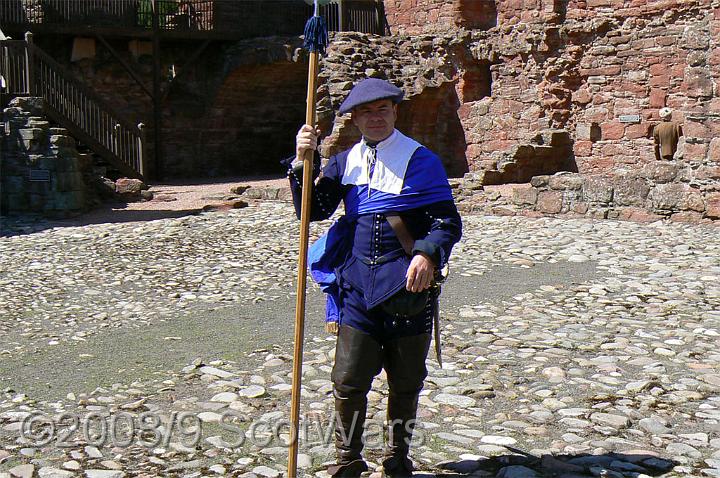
316, 34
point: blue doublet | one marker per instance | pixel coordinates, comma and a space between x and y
360, 262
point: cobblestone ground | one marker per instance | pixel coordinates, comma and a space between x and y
614, 375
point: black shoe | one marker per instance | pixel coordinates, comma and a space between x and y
348, 470
397, 467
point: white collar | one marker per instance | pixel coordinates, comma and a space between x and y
393, 157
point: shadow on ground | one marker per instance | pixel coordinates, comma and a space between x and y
106, 214
520, 464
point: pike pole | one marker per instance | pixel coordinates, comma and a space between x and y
315, 42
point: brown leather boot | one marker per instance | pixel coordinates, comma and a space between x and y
358, 359
405, 366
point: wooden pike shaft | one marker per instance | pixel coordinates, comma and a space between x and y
310, 118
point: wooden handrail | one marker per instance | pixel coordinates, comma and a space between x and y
29, 71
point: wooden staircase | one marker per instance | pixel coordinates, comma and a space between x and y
29, 71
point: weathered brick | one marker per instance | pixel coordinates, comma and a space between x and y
612, 130
712, 208
630, 192
636, 131
524, 195
657, 97
714, 152
636, 215
564, 181
668, 196
583, 148
660, 171
597, 190
549, 202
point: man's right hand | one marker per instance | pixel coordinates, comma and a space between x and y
306, 140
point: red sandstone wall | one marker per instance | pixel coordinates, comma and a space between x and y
413, 17
580, 65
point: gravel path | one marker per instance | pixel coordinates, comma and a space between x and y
573, 348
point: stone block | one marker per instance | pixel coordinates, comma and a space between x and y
698, 83
597, 213
539, 181
658, 97
32, 134
712, 208
612, 130
582, 96
566, 181
542, 151
549, 202
69, 201
714, 151
36, 202
270, 193
695, 38
63, 182
16, 202
693, 201
669, 196
688, 217
636, 215
503, 210
254, 193
67, 154
490, 177
40, 187
284, 194
31, 105
38, 123
708, 172
521, 151
660, 171
696, 129
583, 148
630, 192
580, 208
694, 153
129, 186
524, 195
636, 131
14, 184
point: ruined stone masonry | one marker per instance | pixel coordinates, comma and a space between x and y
535, 106
42, 171
488, 80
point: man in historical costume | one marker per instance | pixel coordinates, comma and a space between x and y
379, 285
667, 136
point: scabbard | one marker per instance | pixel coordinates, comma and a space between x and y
436, 329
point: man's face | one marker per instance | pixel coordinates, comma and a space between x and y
375, 120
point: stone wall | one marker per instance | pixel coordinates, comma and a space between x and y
483, 80
41, 170
234, 111
657, 191
246, 123
600, 70
413, 17
431, 74
581, 65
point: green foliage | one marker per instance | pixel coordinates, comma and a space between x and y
166, 8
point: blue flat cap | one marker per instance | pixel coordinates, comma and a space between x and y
371, 89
